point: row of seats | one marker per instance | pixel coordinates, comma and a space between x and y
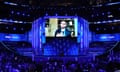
61, 46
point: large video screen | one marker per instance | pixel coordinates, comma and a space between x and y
61, 27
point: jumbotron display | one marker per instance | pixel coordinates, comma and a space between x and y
60, 27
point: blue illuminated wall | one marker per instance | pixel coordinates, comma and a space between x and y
106, 37
13, 37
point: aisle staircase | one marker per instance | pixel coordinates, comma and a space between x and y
21, 47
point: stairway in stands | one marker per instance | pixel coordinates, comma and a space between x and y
21, 47
99, 47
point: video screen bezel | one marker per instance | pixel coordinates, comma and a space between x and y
60, 17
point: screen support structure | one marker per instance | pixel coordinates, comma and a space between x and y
83, 35
38, 34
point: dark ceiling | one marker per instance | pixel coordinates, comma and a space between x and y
60, 2
34, 9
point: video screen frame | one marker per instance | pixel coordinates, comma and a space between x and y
52, 31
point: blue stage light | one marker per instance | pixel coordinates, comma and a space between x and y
114, 20
112, 28
4, 20
23, 14
10, 3
97, 29
103, 13
10, 20
110, 21
113, 3
12, 37
108, 12
14, 28
56, 14
106, 37
15, 37
103, 37
46, 14
15, 21
92, 15
104, 21
12, 12
28, 15
18, 13
97, 14
98, 22
20, 21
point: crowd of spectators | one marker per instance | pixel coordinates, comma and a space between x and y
11, 62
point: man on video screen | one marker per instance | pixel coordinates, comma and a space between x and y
63, 31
